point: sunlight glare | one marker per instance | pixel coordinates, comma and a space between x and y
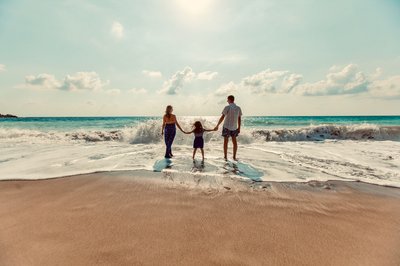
196, 7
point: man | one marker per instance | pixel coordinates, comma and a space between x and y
233, 120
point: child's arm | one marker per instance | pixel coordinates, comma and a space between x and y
179, 126
208, 130
188, 132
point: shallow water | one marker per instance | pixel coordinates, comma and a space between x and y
270, 149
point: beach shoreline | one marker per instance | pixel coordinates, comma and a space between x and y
147, 218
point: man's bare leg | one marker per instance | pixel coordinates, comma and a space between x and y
226, 139
234, 141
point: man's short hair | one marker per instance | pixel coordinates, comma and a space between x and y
231, 98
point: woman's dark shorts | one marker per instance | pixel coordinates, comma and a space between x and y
230, 133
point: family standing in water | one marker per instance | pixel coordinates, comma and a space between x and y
231, 116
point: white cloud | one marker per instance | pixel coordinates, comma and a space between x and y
138, 91
289, 82
207, 75
113, 92
83, 81
152, 74
269, 81
338, 81
117, 30
378, 72
176, 82
334, 68
2, 67
79, 81
387, 88
226, 89
45, 81
348, 80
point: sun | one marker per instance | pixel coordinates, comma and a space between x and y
194, 7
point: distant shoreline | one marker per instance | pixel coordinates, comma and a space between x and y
8, 116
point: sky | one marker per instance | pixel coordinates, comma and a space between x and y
132, 58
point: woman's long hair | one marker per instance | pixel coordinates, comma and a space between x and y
198, 127
168, 111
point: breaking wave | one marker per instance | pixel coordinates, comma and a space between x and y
150, 132
323, 132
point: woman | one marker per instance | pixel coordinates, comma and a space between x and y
168, 130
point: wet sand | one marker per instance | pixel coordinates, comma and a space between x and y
136, 218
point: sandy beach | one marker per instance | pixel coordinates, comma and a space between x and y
199, 133
138, 218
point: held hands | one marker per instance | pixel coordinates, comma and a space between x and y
215, 128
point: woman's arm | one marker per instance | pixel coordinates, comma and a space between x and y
163, 126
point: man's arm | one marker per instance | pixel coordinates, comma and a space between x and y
239, 123
219, 122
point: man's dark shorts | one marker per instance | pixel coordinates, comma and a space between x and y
230, 133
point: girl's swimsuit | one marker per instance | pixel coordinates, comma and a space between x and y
169, 135
198, 140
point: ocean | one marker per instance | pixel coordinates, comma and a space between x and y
271, 148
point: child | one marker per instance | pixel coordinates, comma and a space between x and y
198, 143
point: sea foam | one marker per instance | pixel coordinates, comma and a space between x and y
150, 132
364, 152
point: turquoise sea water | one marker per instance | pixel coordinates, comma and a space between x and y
275, 148
109, 123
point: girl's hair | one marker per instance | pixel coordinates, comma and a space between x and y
198, 127
168, 111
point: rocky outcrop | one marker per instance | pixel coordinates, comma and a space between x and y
8, 116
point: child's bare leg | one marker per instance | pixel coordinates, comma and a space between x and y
194, 152
202, 154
